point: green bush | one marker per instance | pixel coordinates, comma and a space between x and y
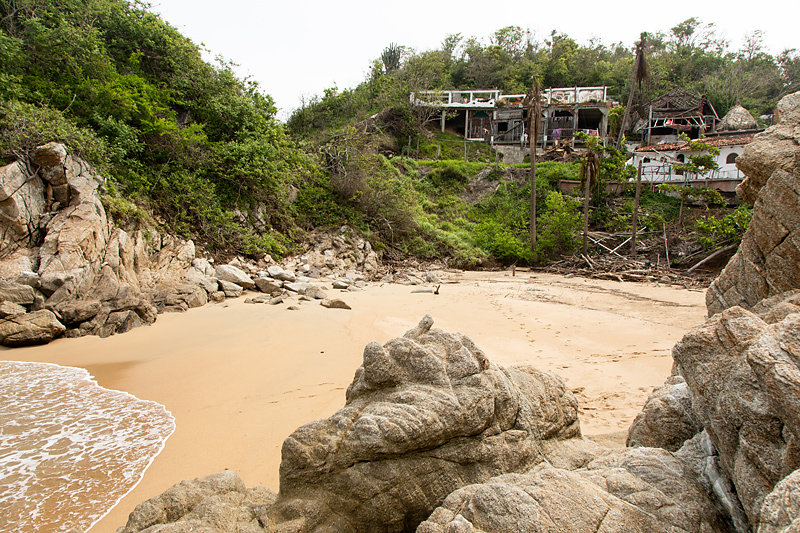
558, 227
717, 232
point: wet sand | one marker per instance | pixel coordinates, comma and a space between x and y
240, 378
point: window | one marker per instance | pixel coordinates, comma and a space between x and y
646, 160
731, 158
681, 158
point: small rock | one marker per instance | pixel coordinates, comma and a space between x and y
341, 284
274, 270
292, 308
430, 277
285, 275
334, 303
315, 292
217, 297
297, 287
257, 300
277, 300
267, 285
231, 290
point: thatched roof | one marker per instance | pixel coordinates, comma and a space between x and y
737, 119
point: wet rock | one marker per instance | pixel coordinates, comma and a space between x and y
334, 303
38, 327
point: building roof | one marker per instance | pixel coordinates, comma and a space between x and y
717, 142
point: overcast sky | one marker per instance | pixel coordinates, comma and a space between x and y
295, 49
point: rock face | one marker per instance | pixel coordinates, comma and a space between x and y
768, 260
742, 367
38, 327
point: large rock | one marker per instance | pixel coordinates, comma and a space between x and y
768, 260
743, 375
218, 503
38, 327
642, 489
426, 414
235, 275
22, 205
667, 420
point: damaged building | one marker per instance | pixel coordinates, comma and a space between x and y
502, 119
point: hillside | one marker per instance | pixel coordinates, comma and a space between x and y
188, 148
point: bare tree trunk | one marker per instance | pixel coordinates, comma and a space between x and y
586, 193
636, 209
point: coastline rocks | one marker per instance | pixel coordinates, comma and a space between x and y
639, 489
216, 503
743, 373
426, 414
38, 327
666, 420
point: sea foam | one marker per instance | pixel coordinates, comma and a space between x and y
70, 449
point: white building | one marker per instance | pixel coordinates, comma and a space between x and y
735, 131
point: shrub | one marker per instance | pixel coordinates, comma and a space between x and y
558, 226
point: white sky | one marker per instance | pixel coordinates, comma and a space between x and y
297, 48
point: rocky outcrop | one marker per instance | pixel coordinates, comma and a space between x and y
426, 414
742, 367
59, 251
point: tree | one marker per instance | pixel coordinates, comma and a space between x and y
534, 105
640, 74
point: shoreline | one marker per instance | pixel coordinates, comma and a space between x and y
239, 378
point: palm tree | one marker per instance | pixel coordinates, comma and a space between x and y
641, 73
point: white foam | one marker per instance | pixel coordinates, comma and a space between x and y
70, 449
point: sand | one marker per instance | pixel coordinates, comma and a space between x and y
240, 378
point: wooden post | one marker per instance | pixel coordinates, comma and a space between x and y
666, 244
465, 151
636, 208
589, 171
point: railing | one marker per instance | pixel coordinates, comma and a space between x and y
455, 98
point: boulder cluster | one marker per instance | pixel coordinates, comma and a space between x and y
434, 438
66, 269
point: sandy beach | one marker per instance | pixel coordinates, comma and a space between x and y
240, 378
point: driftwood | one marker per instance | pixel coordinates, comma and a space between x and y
718, 253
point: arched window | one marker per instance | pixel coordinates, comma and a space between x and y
681, 158
731, 158
646, 160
